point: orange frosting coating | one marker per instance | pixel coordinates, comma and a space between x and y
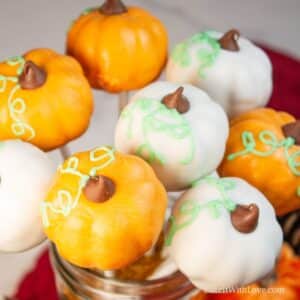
111, 234
119, 52
272, 172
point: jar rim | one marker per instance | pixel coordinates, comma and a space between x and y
93, 280
92, 272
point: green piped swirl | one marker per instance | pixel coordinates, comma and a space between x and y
269, 139
65, 202
206, 54
16, 105
154, 121
189, 211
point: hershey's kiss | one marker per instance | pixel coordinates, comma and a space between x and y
292, 130
99, 189
229, 40
113, 7
245, 218
177, 101
32, 76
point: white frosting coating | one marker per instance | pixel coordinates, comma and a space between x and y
26, 173
239, 81
211, 252
207, 135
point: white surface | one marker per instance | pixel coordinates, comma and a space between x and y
37, 23
201, 144
213, 254
26, 176
238, 80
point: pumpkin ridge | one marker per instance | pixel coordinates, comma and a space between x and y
259, 152
80, 36
103, 229
76, 27
104, 67
16, 105
54, 108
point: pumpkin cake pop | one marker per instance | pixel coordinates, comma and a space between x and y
25, 177
178, 129
120, 48
105, 209
223, 234
263, 148
232, 70
45, 99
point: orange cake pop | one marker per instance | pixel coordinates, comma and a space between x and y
263, 148
44, 99
120, 48
105, 209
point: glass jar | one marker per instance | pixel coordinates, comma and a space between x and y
74, 283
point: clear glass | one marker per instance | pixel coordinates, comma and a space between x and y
75, 283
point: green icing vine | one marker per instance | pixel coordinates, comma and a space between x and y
209, 49
154, 121
16, 105
268, 138
17, 60
190, 209
65, 202
88, 10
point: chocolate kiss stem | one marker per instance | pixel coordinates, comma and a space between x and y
229, 40
177, 101
99, 189
32, 76
292, 130
245, 218
113, 7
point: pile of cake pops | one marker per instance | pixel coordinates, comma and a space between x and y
107, 208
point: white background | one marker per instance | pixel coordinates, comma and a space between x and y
26, 24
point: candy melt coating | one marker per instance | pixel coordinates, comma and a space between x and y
42, 93
108, 234
263, 151
25, 177
181, 147
205, 245
119, 52
238, 80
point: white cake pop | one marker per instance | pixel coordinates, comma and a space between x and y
224, 234
25, 174
232, 70
179, 130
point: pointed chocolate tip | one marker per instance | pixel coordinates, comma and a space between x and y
229, 41
245, 218
32, 76
177, 101
99, 189
113, 7
292, 130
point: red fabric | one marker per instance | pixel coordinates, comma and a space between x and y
39, 284
286, 87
